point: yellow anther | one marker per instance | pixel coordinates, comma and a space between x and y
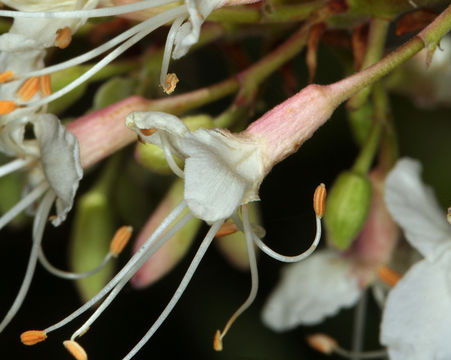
319, 200
32, 337
217, 341
28, 89
322, 343
387, 275
63, 37
45, 85
148, 132
75, 350
170, 83
6, 76
120, 239
7, 106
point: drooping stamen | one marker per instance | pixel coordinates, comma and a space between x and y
388, 275
120, 240
6, 76
32, 337
155, 22
45, 85
28, 89
14, 165
249, 234
180, 289
38, 231
63, 37
327, 345
168, 52
7, 106
89, 13
145, 256
168, 155
319, 199
136, 261
75, 350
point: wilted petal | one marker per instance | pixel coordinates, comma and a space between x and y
60, 158
221, 172
417, 319
414, 208
311, 290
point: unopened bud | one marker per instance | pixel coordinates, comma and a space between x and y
75, 350
322, 343
348, 205
32, 337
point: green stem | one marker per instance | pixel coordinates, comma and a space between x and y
375, 49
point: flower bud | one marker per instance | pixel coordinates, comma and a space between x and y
152, 156
348, 204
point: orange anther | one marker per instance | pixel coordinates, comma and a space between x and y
7, 106
28, 89
148, 132
75, 350
387, 275
45, 85
32, 337
227, 228
63, 37
170, 83
120, 239
322, 343
217, 341
6, 76
319, 200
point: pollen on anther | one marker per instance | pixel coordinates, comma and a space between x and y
32, 337
120, 239
170, 83
63, 37
45, 85
148, 132
28, 89
227, 228
319, 200
322, 343
6, 76
217, 341
7, 106
75, 350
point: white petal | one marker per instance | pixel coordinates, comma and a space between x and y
414, 208
416, 322
60, 158
221, 172
311, 290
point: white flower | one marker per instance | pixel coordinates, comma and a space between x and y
417, 318
52, 161
222, 171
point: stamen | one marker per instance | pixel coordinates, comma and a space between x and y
227, 228
180, 289
148, 132
6, 76
388, 275
45, 85
136, 261
327, 345
75, 350
32, 337
168, 155
28, 89
14, 165
170, 83
63, 37
7, 106
217, 342
319, 200
120, 240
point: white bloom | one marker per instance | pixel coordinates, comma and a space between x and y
417, 318
311, 290
222, 171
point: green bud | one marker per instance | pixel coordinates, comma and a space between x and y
152, 156
360, 121
348, 204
